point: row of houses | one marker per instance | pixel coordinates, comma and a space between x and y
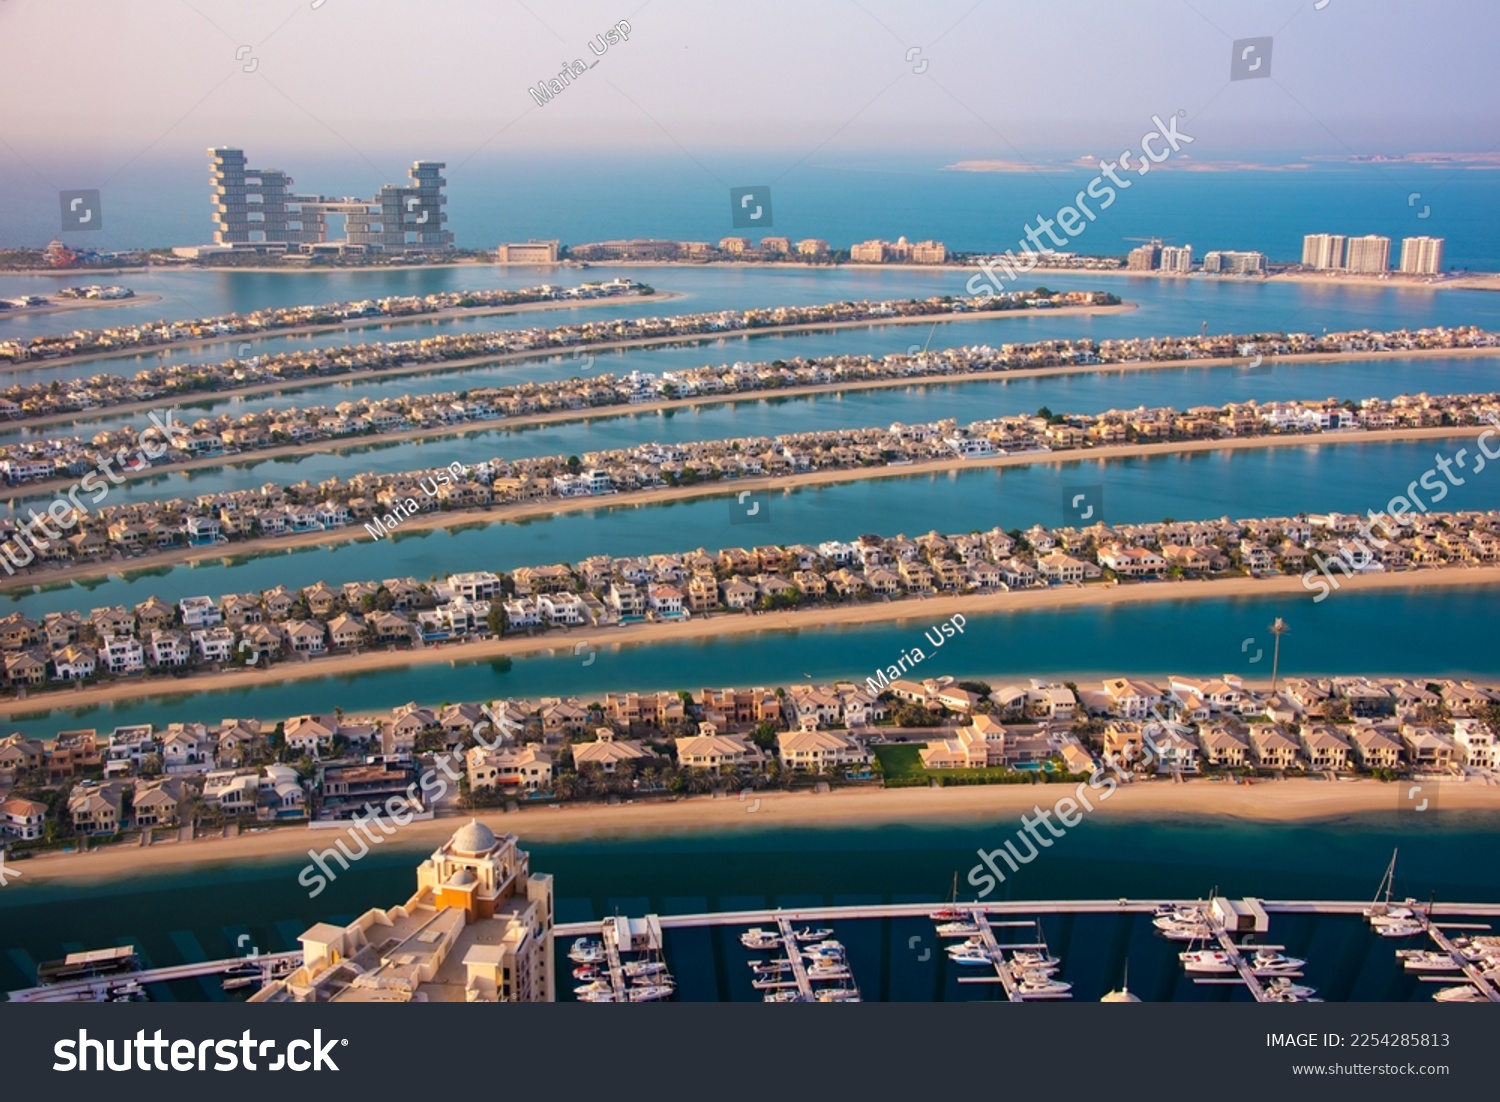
283, 623
1369, 745
136, 335
153, 383
271, 511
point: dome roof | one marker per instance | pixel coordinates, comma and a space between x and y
461, 879
472, 838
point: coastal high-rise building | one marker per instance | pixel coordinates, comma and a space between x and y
479, 929
1144, 258
1422, 255
404, 217
1227, 261
1370, 254
255, 208
1176, 258
1323, 251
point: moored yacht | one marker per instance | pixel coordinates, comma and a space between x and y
961, 928
1427, 960
1206, 961
756, 938
586, 951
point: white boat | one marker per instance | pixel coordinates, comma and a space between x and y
770, 968
1030, 958
596, 987
838, 995
1397, 927
585, 951
597, 997
970, 957
1393, 919
1462, 994
1165, 917
825, 950
756, 938
807, 933
643, 967
1269, 962
1283, 990
1039, 984
650, 994
827, 970
1206, 961
789, 996
1427, 960
956, 929
1187, 933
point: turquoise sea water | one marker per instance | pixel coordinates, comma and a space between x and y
178, 916
1398, 632
1269, 482
1180, 388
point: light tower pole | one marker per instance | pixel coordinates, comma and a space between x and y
1278, 629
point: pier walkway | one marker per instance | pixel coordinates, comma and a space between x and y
95, 988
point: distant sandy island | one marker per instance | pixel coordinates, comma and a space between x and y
1001, 805
927, 611
464, 518
72, 304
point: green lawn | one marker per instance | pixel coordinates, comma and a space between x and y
903, 760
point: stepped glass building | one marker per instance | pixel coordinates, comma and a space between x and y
255, 208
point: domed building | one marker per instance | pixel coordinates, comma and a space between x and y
478, 929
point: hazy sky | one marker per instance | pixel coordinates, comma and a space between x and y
106, 83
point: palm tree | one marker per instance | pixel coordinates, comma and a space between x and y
1278, 629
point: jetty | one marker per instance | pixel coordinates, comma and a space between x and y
96, 988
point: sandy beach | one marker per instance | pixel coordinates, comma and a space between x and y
926, 611
67, 305
1001, 805
352, 325
448, 366
460, 518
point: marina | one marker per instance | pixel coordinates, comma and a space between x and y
1025, 971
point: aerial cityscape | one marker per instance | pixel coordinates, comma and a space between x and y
975, 565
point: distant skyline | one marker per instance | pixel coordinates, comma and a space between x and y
96, 85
